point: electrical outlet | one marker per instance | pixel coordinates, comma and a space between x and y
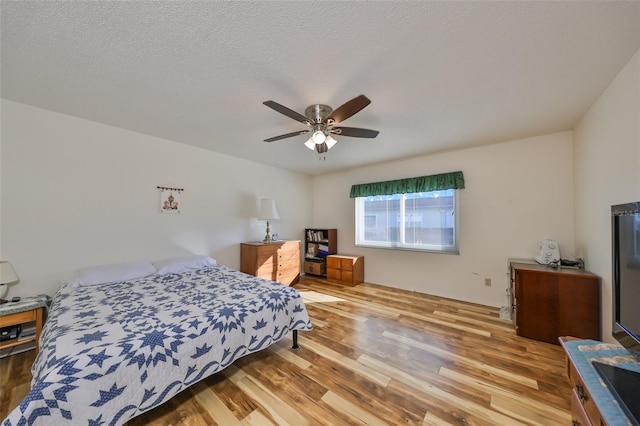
487, 282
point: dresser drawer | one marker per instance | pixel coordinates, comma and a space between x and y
583, 396
288, 277
290, 246
578, 414
289, 265
288, 255
17, 318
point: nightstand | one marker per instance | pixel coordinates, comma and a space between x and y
28, 310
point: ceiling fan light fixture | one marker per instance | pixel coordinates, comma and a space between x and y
318, 137
310, 144
330, 142
321, 148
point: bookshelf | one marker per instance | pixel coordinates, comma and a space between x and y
319, 243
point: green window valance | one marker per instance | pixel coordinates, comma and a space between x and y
453, 180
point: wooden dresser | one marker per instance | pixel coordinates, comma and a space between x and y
278, 261
592, 402
345, 268
548, 303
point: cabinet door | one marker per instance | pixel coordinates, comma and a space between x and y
334, 274
536, 309
579, 307
333, 262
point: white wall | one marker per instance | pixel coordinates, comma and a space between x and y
607, 172
517, 193
76, 193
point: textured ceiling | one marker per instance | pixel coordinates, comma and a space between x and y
441, 75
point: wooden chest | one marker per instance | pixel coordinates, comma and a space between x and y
345, 269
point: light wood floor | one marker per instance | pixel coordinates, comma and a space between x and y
376, 356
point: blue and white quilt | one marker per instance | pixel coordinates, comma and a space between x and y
113, 351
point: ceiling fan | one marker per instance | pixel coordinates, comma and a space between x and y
322, 120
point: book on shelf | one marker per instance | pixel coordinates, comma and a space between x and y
28, 331
315, 235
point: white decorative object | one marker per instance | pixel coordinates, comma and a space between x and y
549, 252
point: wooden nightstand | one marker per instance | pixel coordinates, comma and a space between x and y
20, 313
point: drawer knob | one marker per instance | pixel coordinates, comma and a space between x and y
574, 422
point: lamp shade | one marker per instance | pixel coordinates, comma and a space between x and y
7, 273
268, 209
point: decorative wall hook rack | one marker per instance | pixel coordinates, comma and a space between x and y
170, 189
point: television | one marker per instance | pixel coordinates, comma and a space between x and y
625, 247
625, 244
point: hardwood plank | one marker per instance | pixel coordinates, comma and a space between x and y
377, 355
277, 410
526, 409
479, 365
214, 405
356, 414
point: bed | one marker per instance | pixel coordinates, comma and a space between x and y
110, 352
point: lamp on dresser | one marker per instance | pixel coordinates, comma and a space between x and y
7, 276
268, 211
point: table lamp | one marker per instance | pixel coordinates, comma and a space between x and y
7, 276
268, 211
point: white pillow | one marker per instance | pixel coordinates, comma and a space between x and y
183, 264
116, 272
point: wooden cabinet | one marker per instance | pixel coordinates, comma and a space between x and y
319, 243
551, 302
592, 401
583, 408
22, 318
345, 268
278, 261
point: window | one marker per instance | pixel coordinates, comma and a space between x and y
425, 221
370, 220
418, 213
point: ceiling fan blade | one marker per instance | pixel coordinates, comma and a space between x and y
288, 135
355, 132
286, 111
348, 109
